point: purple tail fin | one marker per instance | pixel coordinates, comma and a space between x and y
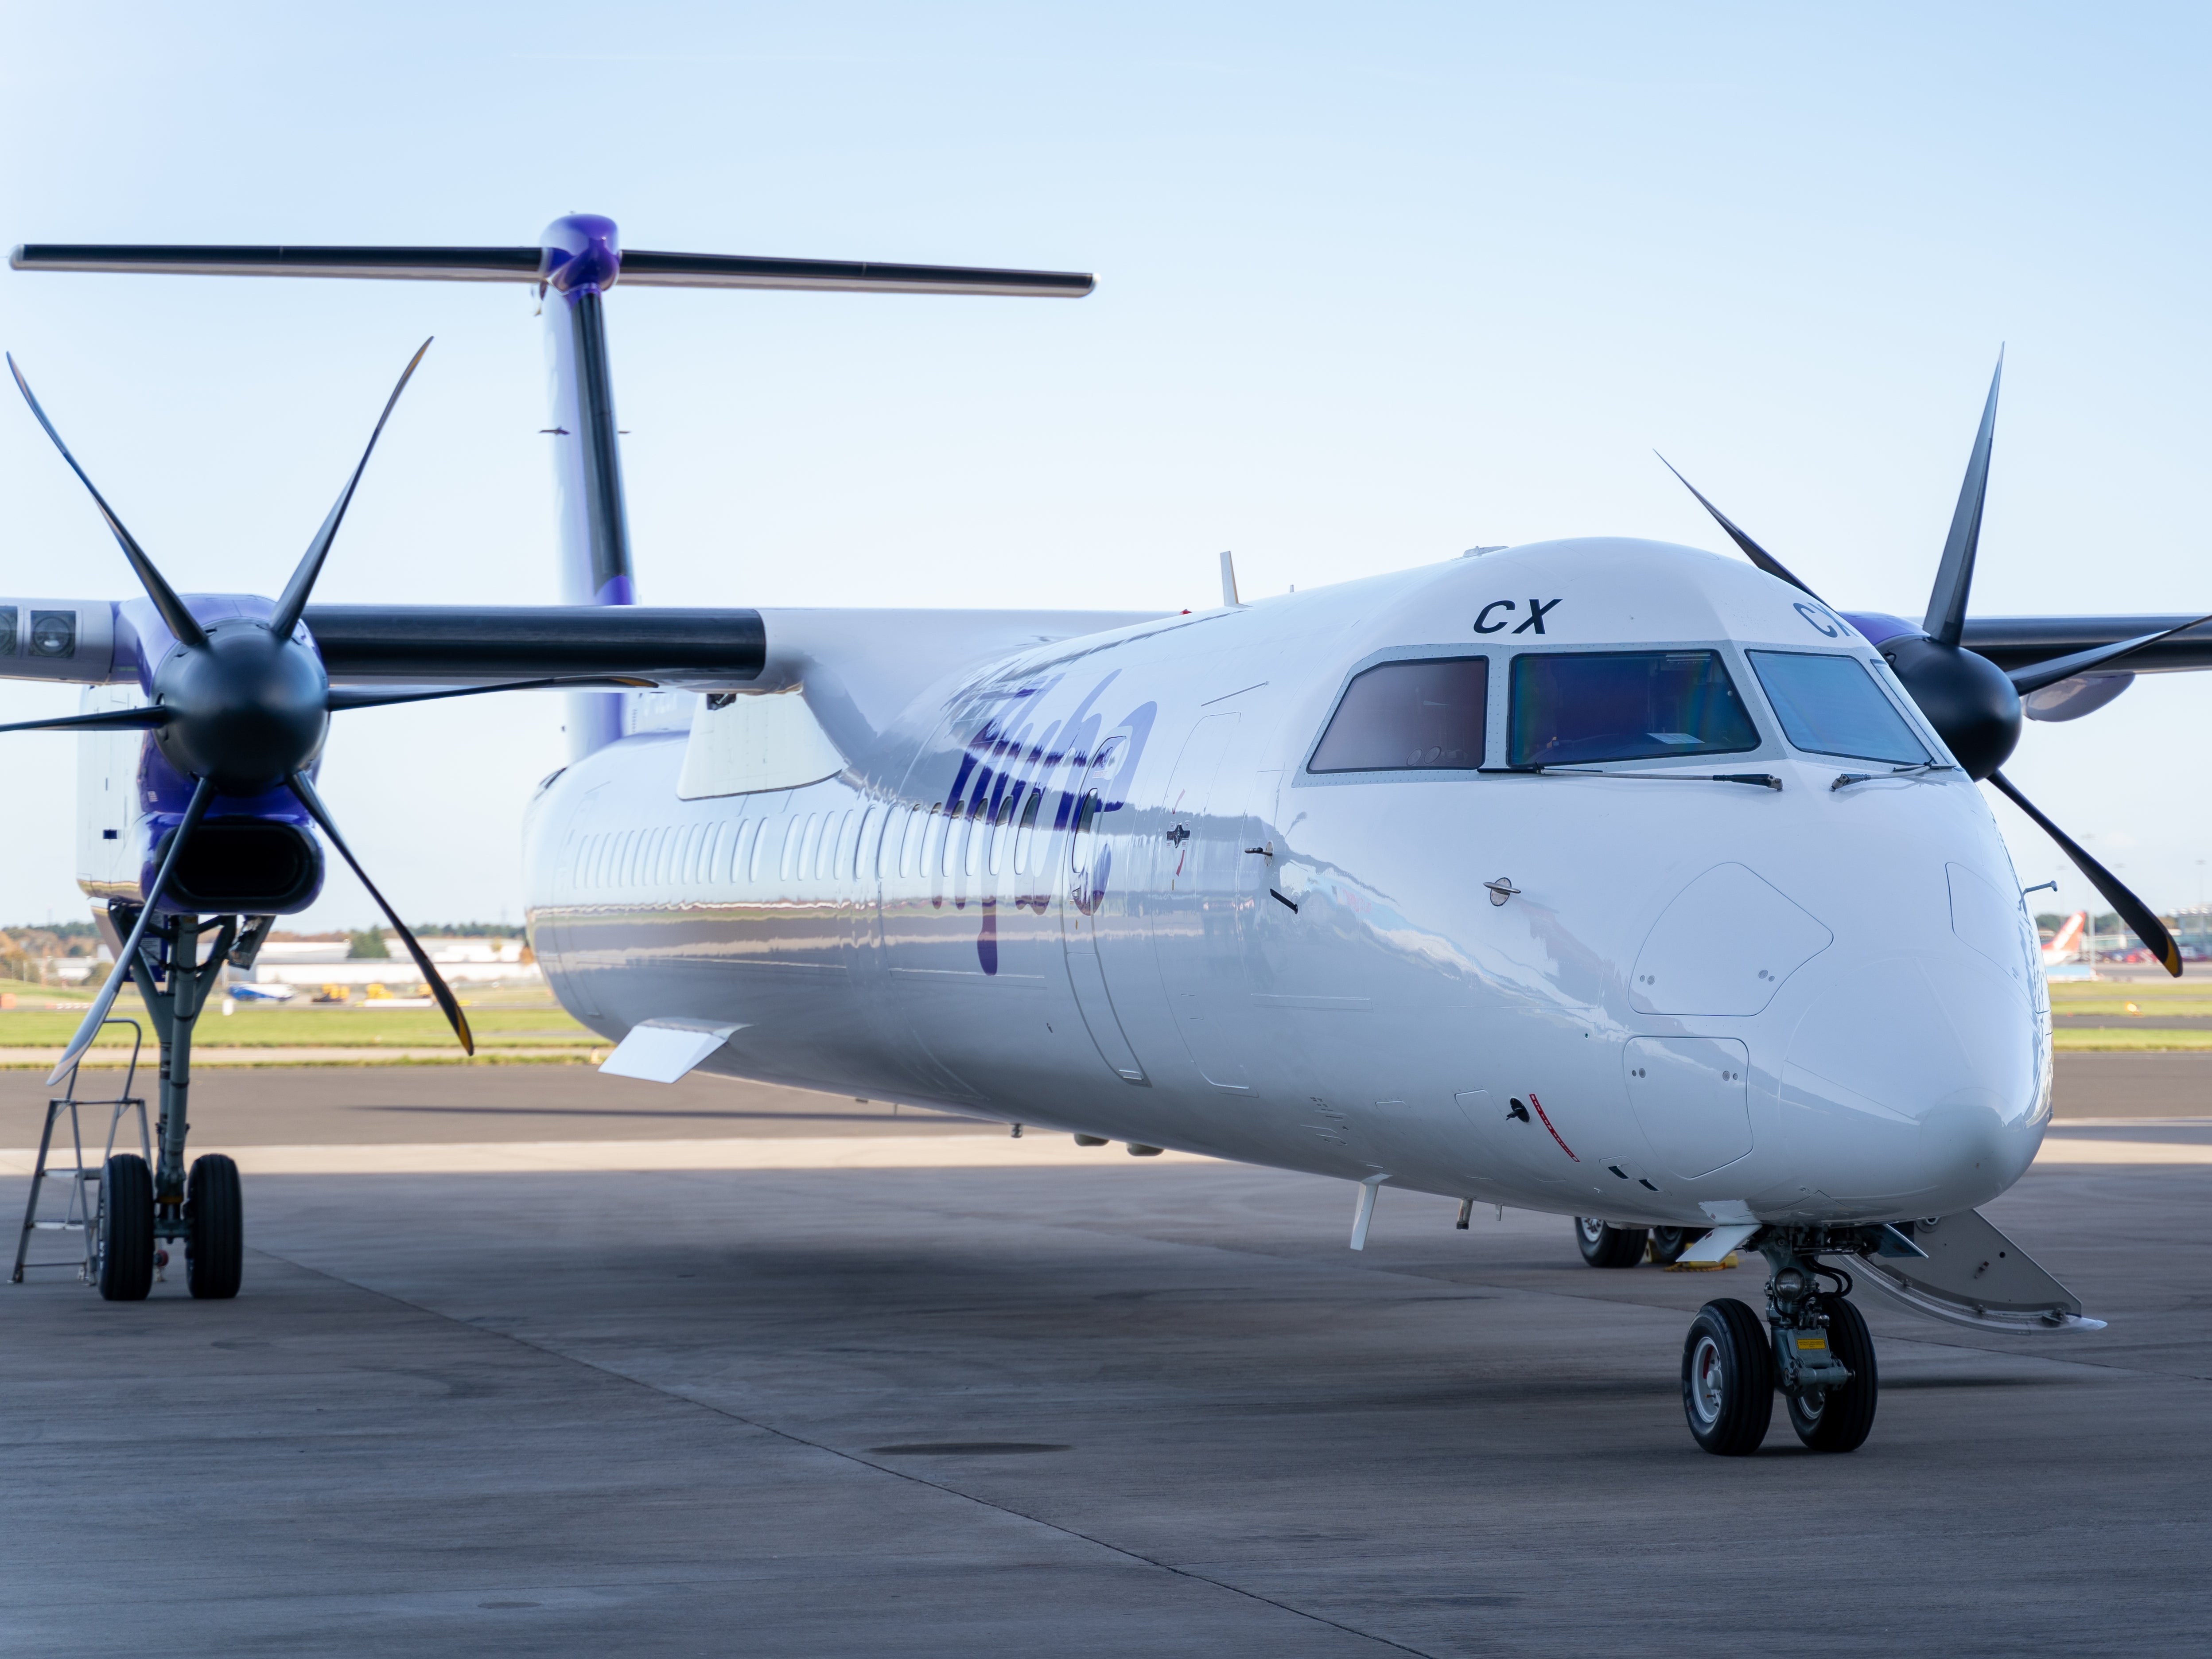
579, 258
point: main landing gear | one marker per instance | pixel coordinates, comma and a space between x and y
1607, 1246
141, 1207
1815, 1350
1604, 1245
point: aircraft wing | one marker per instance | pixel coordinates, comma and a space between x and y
465, 645
2012, 642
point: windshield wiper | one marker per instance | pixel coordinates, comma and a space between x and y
1763, 779
1919, 768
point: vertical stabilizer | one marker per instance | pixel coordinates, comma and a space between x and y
579, 258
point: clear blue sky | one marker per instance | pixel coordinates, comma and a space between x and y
1375, 283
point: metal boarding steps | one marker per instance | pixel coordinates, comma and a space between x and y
80, 1211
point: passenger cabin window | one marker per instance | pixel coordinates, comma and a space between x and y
937, 851
847, 855
1025, 830
865, 848
917, 822
794, 833
1830, 705
1573, 707
1409, 716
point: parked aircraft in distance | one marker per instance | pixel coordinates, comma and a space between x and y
2066, 944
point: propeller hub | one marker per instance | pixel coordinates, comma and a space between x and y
1966, 698
246, 709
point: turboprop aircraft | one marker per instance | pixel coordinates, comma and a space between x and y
1602, 877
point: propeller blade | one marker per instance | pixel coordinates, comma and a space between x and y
116, 720
341, 699
306, 791
295, 599
178, 620
1954, 577
203, 792
1752, 550
2132, 910
2036, 676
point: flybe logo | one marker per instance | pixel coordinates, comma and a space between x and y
1496, 616
1006, 757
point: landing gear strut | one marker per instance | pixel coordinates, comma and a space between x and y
202, 1206
1815, 1350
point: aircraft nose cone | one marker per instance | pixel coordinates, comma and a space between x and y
1915, 1084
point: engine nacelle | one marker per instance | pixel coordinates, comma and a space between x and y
56, 639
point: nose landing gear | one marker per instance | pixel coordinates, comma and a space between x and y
1837, 1418
1816, 1351
1728, 1379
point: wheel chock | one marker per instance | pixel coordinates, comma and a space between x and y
1731, 1260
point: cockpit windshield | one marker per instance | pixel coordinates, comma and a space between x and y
1572, 708
1830, 705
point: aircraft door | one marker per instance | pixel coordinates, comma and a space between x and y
1202, 900
1090, 900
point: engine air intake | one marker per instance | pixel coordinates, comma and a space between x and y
251, 867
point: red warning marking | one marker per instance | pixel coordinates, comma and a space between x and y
1564, 1147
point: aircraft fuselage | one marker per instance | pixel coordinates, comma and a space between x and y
1098, 886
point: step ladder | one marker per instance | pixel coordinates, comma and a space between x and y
80, 1209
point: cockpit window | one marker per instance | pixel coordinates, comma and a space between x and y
1409, 716
1830, 705
1571, 708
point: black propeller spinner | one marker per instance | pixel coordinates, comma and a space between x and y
1974, 705
247, 708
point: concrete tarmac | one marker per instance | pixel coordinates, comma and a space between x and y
1128, 1408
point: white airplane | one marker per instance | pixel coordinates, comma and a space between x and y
1602, 876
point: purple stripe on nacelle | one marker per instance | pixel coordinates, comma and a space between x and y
582, 250
1876, 625
142, 639
164, 793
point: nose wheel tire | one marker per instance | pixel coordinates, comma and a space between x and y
126, 1229
215, 1215
1728, 1379
1605, 1246
1839, 1420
